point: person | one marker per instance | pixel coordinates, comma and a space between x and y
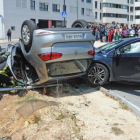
113, 25
118, 25
97, 34
126, 32
132, 32
115, 30
106, 34
139, 32
118, 33
121, 31
109, 35
112, 34
102, 33
136, 31
9, 33
5, 80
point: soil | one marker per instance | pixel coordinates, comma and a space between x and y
83, 113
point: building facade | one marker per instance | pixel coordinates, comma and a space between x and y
48, 13
45, 13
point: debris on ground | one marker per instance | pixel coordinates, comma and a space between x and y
83, 113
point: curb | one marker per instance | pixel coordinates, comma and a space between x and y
130, 105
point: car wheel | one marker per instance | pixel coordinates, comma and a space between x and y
97, 75
27, 30
80, 24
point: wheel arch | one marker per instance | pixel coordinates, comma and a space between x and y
111, 78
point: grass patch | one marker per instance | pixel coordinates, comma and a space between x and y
24, 137
116, 124
37, 118
124, 106
117, 131
61, 116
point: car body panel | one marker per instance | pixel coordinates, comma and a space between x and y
125, 67
53, 40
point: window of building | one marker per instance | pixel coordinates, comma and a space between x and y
89, 12
131, 9
56, 7
88, 1
111, 5
127, 8
73, 9
96, 14
137, 17
43, 6
127, 17
131, 18
24, 3
137, 8
32, 5
127, 1
18, 3
13, 28
114, 15
82, 0
82, 11
132, 1
100, 6
96, 4
100, 16
137, 0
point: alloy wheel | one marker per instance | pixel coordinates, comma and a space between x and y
96, 74
26, 33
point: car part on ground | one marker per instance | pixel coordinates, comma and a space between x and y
31, 106
80, 24
97, 75
27, 30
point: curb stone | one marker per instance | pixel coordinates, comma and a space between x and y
130, 105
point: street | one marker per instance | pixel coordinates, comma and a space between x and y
129, 91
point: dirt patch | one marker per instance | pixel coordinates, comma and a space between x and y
83, 114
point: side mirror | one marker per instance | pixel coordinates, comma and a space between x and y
118, 52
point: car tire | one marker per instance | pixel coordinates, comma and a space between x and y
80, 24
97, 75
27, 30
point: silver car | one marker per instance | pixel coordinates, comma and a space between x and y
48, 55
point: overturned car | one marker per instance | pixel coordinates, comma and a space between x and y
45, 56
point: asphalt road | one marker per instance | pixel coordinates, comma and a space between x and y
129, 91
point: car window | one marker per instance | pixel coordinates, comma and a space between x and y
131, 48
109, 45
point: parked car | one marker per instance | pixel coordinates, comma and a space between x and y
48, 55
116, 61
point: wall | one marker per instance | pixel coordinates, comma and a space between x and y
15, 16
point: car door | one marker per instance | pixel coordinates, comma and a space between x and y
126, 62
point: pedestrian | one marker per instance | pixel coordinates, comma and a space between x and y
126, 32
115, 30
97, 34
102, 33
132, 33
9, 33
121, 31
136, 31
112, 34
113, 25
118, 25
109, 35
118, 33
106, 34
139, 32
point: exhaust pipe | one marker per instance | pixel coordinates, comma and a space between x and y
28, 87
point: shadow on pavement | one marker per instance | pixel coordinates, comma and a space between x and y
130, 88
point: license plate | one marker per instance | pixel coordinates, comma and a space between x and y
74, 36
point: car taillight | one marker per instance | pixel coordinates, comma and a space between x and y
91, 52
50, 56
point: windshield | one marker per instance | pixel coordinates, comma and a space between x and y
109, 45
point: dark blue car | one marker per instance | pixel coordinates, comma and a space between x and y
116, 61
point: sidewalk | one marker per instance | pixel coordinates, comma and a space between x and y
6, 41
